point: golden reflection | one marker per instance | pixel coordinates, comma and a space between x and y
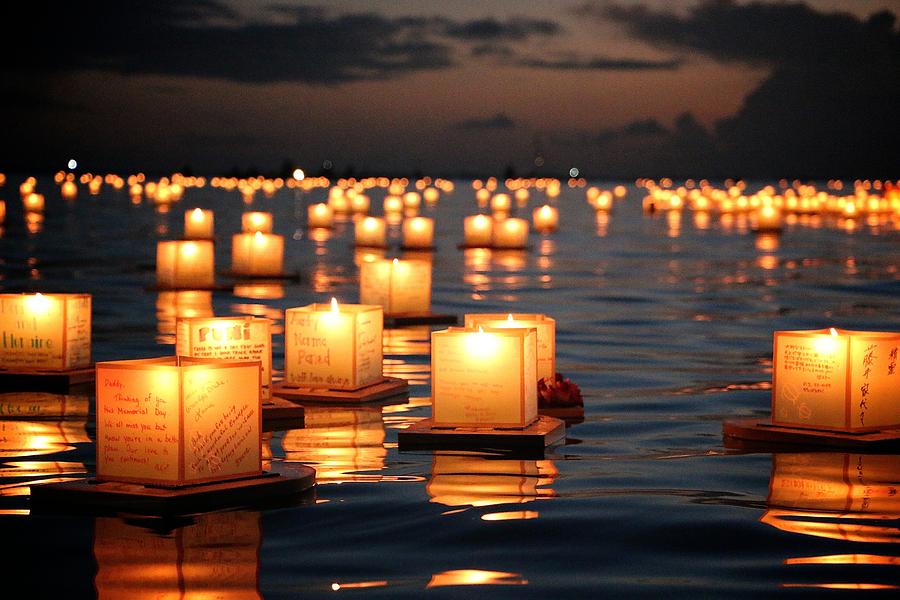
217, 556
836, 496
320, 234
601, 218
171, 305
34, 222
475, 577
510, 260
767, 242
326, 277
340, 442
469, 480
673, 221
407, 341
361, 255
36, 438
42, 405
701, 220
259, 291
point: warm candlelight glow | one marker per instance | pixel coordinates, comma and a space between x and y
254, 221
371, 232
478, 230
55, 333
510, 233
320, 215
544, 326
198, 224
185, 264
418, 232
399, 286
546, 218
258, 254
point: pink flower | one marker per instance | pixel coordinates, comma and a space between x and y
558, 392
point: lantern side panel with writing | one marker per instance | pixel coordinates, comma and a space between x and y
45, 332
546, 334
874, 380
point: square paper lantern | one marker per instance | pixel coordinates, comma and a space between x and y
478, 230
484, 377
186, 264
510, 233
198, 224
333, 346
257, 254
45, 331
178, 421
254, 221
371, 231
836, 379
546, 334
228, 338
418, 232
399, 286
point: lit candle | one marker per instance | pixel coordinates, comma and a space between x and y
546, 218
33, 203
45, 331
544, 326
836, 379
198, 224
484, 377
370, 231
418, 232
510, 233
228, 338
185, 264
766, 218
478, 231
500, 205
333, 347
254, 221
178, 421
319, 215
399, 286
257, 254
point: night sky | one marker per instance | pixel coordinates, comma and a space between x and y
614, 88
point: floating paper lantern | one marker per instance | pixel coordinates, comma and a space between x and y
500, 205
359, 204
412, 200
254, 221
418, 232
546, 218
399, 286
69, 190
187, 264
482, 197
766, 218
228, 338
2, 212
393, 205
510, 233
522, 196
333, 347
371, 232
45, 331
33, 203
257, 254
543, 325
484, 377
478, 231
319, 215
178, 421
198, 224
836, 379
431, 196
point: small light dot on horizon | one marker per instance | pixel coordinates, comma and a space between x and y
73, 164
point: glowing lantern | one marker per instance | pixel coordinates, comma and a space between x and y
178, 421
544, 326
510, 233
766, 218
399, 286
69, 190
2, 211
228, 338
371, 231
418, 232
482, 197
522, 196
431, 195
333, 347
546, 218
257, 254
45, 331
254, 221
412, 200
393, 205
198, 224
478, 231
836, 379
359, 204
484, 377
33, 203
500, 205
319, 215
187, 264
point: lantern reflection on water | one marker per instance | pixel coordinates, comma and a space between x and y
216, 556
339, 442
172, 305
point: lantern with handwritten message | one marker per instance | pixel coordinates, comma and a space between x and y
331, 346
228, 338
836, 379
543, 325
254, 221
478, 231
257, 254
484, 377
45, 331
370, 232
319, 215
418, 232
185, 264
178, 421
546, 218
510, 233
399, 286
198, 224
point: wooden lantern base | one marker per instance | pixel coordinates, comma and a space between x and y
394, 320
279, 414
91, 496
388, 388
46, 381
418, 248
761, 432
569, 414
465, 246
371, 246
283, 276
532, 439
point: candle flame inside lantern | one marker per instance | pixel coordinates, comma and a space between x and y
509, 318
334, 306
827, 344
370, 223
481, 343
38, 303
197, 215
833, 331
395, 262
189, 249
545, 211
259, 239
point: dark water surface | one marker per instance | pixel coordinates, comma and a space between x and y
667, 330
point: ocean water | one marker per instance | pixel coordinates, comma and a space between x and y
666, 327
